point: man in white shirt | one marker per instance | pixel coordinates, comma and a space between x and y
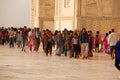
112, 40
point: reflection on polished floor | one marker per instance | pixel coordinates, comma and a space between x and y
18, 65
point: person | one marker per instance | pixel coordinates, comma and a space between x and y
75, 45
70, 46
24, 35
100, 41
117, 58
97, 42
108, 49
90, 53
59, 43
84, 40
32, 41
38, 36
3, 36
105, 42
49, 43
6, 37
112, 40
12, 36
18, 39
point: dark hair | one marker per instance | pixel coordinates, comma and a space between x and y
109, 32
38, 28
75, 34
106, 34
112, 30
83, 29
65, 29
96, 35
97, 32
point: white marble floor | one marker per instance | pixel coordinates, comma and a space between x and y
18, 65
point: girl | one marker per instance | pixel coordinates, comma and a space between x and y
97, 41
75, 45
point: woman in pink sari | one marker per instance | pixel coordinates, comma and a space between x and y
106, 43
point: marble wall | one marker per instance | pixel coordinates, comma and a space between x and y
43, 14
46, 12
102, 15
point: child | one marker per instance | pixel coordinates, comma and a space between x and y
97, 41
75, 45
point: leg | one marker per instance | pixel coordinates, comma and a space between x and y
47, 49
43, 44
112, 51
50, 50
23, 45
73, 50
83, 50
2, 41
10, 42
13, 42
76, 51
86, 50
117, 64
38, 44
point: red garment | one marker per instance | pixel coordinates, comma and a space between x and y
105, 43
97, 40
6, 36
32, 41
24, 33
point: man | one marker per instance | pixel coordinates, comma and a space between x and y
112, 40
84, 40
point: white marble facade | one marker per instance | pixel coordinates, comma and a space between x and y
65, 14
102, 15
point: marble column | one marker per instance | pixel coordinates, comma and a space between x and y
35, 13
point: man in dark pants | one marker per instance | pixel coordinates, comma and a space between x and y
117, 58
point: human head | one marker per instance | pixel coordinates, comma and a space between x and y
112, 30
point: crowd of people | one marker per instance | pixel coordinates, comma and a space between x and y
74, 44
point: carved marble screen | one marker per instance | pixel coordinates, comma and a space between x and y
67, 3
97, 8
